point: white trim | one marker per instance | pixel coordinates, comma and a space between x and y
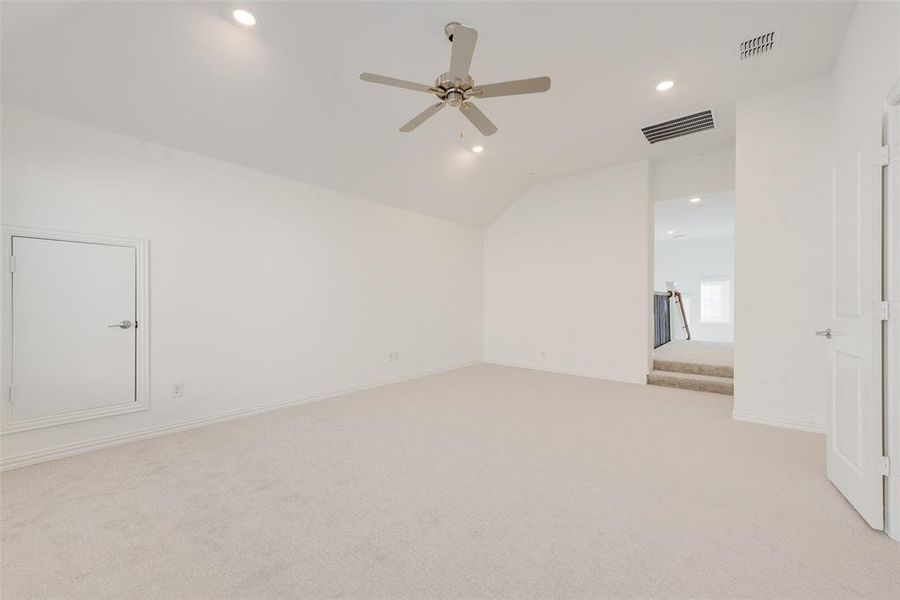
891, 347
779, 422
31, 458
142, 332
621, 377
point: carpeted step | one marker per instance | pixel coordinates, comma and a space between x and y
694, 368
692, 381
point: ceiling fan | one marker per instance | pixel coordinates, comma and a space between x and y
457, 88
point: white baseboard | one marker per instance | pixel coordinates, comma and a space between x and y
779, 422
31, 458
624, 378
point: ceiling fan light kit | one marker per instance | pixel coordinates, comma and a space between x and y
456, 88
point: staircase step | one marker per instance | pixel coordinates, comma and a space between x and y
673, 366
691, 381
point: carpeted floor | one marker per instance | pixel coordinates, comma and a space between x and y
691, 351
485, 482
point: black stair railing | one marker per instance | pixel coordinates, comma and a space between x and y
662, 328
662, 317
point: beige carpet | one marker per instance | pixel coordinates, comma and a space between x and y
486, 482
693, 351
693, 365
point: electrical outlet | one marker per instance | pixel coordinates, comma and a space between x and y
543, 355
177, 390
393, 356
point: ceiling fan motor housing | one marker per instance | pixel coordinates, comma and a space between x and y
452, 90
448, 82
453, 98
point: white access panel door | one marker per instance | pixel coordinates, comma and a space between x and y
71, 353
855, 407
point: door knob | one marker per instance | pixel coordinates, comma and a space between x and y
126, 324
825, 333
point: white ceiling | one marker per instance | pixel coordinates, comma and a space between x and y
284, 97
713, 216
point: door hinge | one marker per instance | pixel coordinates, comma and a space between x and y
12, 264
11, 390
883, 156
882, 310
883, 466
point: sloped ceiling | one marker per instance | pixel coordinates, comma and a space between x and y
284, 97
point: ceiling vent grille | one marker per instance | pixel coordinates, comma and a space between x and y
679, 127
757, 45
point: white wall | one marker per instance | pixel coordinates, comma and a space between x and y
567, 276
694, 175
788, 142
263, 289
782, 255
866, 69
688, 261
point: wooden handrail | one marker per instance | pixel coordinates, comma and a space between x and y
677, 295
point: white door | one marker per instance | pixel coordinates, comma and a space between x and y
73, 327
855, 406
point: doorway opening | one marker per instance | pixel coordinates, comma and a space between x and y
693, 284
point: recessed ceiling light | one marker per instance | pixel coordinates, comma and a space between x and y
671, 232
695, 200
244, 17
663, 86
477, 149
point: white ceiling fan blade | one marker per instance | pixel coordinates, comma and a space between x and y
400, 83
422, 117
464, 39
477, 118
512, 88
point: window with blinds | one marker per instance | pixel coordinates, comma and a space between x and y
715, 300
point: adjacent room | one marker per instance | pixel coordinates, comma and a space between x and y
450, 300
693, 277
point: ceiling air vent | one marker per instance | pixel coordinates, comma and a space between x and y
757, 45
679, 127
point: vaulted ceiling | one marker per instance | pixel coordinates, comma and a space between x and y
284, 96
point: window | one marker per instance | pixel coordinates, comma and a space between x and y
715, 300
